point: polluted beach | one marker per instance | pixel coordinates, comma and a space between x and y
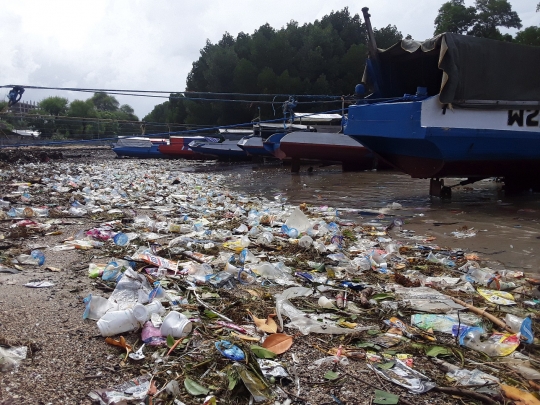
370, 248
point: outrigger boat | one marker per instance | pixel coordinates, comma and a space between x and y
254, 143
452, 106
139, 147
326, 145
178, 147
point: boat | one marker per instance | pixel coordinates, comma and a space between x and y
254, 143
452, 106
139, 147
326, 144
226, 150
226, 147
178, 147
327, 147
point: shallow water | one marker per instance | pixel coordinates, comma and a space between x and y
507, 227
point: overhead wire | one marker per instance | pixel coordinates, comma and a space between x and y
110, 91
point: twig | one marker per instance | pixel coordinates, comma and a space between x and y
363, 380
204, 304
466, 393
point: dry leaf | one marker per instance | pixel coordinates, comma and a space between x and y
521, 397
120, 343
278, 343
55, 269
266, 325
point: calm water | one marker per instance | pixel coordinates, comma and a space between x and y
508, 227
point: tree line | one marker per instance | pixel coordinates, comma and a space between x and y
57, 118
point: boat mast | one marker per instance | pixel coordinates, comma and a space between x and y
372, 63
372, 44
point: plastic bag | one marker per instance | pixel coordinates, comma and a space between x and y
303, 321
11, 358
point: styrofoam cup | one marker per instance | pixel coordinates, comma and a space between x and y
176, 324
143, 312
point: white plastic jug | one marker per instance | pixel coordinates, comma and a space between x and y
116, 322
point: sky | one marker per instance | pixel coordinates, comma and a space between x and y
151, 45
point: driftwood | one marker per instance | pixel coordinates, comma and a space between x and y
482, 312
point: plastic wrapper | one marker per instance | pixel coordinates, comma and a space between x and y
156, 261
135, 389
406, 377
271, 368
425, 299
497, 297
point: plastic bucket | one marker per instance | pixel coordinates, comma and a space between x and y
176, 324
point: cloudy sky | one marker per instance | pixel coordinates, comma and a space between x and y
150, 45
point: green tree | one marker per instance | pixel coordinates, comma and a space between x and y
529, 36
323, 57
54, 105
482, 20
492, 14
387, 36
454, 17
84, 110
103, 102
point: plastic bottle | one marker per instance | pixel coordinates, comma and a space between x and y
116, 322
293, 233
36, 258
305, 241
266, 238
20, 212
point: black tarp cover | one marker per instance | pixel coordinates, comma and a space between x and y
461, 68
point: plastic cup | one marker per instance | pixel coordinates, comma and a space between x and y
176, 324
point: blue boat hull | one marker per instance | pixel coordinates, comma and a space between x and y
141, 153
398, 134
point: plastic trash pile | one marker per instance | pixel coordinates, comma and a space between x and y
225, 297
